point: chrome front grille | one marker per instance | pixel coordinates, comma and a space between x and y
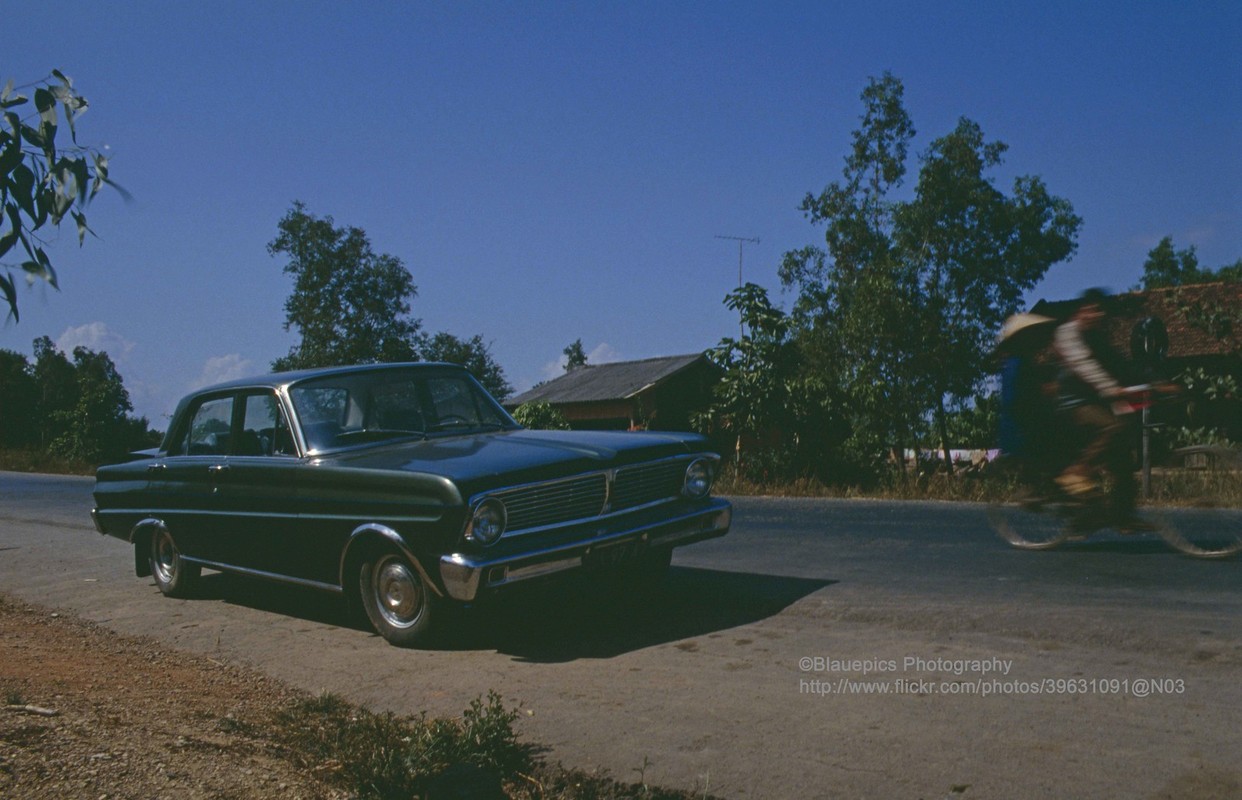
555, 502
585, 497
647, 483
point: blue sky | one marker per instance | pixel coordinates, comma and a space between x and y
554, 171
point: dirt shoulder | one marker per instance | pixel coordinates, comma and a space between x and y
132, 718
93, 714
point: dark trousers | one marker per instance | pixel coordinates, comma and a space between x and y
1107, 452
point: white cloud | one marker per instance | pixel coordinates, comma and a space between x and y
602, 353
95, 336
219, 369
552, 369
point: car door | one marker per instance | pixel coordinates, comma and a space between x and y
183, 483
255, 490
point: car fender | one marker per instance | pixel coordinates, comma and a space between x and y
141, 532
373, 531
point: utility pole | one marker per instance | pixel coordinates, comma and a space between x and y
741, 242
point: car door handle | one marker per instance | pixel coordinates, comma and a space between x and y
218, 470
156, 467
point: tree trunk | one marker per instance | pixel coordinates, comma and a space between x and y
942, 424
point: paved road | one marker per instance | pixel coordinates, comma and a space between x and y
822, 649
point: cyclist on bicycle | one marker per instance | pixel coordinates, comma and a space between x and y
1093, 397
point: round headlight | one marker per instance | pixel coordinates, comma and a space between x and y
488, 521
699, 477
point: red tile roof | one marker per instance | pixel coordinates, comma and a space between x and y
1202, 319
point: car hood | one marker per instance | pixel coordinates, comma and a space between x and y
506, 458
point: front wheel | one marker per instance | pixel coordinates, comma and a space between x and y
1202, 532
398, 602
173, 575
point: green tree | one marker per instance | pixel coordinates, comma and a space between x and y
757, 366
56, 382
575, 356
349, 304
96, 427
1167, 266
540, 416
973, 251
40, 182
855, 311
903, 301
75, 409
774, 411
475, 355
19, 401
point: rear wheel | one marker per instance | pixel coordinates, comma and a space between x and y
397, 600
1030, 525
173, 575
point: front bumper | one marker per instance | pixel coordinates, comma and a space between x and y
465, 576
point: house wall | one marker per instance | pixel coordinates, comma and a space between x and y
670, 406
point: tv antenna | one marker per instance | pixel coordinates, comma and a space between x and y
742, 241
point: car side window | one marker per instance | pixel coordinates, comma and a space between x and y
208, 434
264, 431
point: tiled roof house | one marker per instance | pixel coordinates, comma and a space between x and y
654, 393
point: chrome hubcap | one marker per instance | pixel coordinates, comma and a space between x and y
166, 557
398, 592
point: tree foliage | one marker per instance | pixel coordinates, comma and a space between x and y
76, 409
41, 181
901, 302
754, 391
575, 356
349, 304
352, 305
475, 355
540, 416
779, 414
1167, 266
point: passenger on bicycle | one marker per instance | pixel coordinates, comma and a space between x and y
1028, 393
1093, 396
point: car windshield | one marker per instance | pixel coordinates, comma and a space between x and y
356, 408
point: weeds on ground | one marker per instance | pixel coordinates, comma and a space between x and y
384, 756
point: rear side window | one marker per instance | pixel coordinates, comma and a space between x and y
208, 433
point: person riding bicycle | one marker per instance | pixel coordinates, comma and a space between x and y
1093, 397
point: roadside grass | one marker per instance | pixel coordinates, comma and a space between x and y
1197, 487
374, 756
1169, 487
38, 461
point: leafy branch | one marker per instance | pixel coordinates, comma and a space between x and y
41, 185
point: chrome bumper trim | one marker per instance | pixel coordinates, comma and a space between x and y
465, 576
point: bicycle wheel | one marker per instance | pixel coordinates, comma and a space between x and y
1029, 526
1201, 532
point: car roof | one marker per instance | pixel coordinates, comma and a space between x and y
278, 379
